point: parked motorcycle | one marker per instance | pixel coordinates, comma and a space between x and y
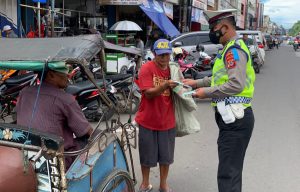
122, 83
88, 98
9, 91
197, 70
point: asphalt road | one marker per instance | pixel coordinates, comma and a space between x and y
272, 161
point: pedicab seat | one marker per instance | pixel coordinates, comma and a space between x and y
18, 134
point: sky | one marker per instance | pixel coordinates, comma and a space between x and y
283, 12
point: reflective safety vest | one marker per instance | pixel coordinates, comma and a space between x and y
220, 76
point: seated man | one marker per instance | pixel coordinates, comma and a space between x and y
248, 41
57, 112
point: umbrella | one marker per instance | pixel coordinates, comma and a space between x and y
126, 26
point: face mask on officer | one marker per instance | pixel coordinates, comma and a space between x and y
215, 36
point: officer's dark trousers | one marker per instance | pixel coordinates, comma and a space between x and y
232, 145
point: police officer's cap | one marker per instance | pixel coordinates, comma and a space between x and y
214, 17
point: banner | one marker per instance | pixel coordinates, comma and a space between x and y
200, 4
161, 7
211, 3
168, 9
198, 16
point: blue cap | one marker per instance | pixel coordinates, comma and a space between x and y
162, 46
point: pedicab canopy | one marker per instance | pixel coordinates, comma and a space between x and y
33, 54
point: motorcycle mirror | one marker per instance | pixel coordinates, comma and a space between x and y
113, 89
96, 69
178, 44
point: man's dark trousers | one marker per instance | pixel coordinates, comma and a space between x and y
232, 145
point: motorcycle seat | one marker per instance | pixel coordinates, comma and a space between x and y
118, 77
202, 74
84, 85
19, 79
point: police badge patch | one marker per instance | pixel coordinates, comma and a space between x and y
231, 62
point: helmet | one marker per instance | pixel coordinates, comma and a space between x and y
6, 28
200, 48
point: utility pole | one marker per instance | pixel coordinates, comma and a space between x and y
52, 17
184, 15
39, 17
246, 14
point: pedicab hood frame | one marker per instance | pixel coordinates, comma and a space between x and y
53, 53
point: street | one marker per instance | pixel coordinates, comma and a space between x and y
273, 156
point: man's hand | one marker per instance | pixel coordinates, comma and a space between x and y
171, 84
190, 82
200, 93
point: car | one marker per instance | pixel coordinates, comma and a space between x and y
189, 41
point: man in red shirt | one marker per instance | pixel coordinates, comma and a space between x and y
156, 116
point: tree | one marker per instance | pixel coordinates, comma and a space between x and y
295, 29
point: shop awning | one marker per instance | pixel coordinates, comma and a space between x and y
155, 12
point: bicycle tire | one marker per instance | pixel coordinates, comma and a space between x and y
105, 185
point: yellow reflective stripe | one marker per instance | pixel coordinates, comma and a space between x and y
219, 74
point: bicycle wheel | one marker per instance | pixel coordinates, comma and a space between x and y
117, 181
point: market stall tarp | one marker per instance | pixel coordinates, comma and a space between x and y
155, 12
56, 49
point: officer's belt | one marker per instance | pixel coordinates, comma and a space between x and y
233, 100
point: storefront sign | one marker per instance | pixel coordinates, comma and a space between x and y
198, 16
211, 3
120, 2
168, 9
200, 4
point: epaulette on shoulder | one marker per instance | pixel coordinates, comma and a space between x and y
237, 42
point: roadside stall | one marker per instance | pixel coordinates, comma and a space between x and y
118, 62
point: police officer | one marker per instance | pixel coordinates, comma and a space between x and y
231, 88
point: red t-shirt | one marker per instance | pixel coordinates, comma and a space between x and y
156, 113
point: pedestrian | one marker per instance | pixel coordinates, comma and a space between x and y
9, 33
276, 43
56, 111
139, 44
156, 116
231, 88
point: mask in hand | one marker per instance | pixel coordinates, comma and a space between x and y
215, 36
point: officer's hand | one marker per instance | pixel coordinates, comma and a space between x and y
199, 93
190, 82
